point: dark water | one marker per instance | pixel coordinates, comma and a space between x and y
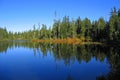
30, 61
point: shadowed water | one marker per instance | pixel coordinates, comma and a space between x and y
41, 61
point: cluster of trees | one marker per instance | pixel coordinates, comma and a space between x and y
99, 30
3, 33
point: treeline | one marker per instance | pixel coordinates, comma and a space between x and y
99, 30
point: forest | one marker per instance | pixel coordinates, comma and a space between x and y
96, 31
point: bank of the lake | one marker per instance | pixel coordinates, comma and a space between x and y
66, 41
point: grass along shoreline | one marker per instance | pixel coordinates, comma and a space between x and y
66, 41
59, 41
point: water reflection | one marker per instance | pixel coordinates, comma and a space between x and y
72, 53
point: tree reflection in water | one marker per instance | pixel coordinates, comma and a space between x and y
70, 53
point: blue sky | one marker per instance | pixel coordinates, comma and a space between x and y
21, 15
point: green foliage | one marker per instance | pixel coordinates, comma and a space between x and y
86, 27
99, 30
114, 25
3, 33
80, 28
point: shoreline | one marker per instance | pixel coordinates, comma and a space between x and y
66, 41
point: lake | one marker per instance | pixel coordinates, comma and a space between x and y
22, 60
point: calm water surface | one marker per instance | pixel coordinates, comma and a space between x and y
30, 61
